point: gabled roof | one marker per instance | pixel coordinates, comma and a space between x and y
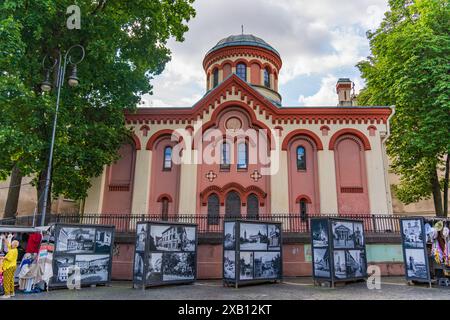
234, 84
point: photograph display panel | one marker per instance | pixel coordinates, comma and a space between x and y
167, 253
412, 233
141, 236
267, 265
253, 236
229, 241
76, 240
343, 236
83, 253
246, 265
321, 262
416, 264
358, 234
172, 238
103, 240
274, 237
356, 263
178, 266
340, 265
319, 229
229, 264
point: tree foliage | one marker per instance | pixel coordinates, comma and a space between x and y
409, 68
126, 46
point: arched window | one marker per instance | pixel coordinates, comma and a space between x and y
301, 158
215, 77
233, 205
225, 156
252, 207
303, 209
242, 156
164, 209
266, 78
241, 71
167, 159
213, 209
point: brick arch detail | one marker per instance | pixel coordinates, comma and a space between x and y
164, 195
223, 191
165, 132
303, 197
348, 131
302, 132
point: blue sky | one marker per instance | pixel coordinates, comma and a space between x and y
319, 41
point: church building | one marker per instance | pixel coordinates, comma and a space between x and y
326, 160
238, 152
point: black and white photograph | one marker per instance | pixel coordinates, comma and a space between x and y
274, 237
342, 234
103, 240
253, 236
267, 265
340, 266
356, 264
172, 238
93, 267
246, 265
229, 264
319, 232
415, 263
412, 233
178, 266
154, 267
64, 268
322, 263
358, 234
138, 266
76, 240
230, 236
141, 236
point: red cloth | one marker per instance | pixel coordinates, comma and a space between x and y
34, 240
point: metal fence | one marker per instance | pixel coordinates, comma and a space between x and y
291, 223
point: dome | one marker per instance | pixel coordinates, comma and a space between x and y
243, 40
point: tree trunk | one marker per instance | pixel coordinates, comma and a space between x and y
447, 169
436, 189
12, 201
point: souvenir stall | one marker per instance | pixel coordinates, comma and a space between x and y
61, 255
29, 239
165, 253
252, 252
338, 250
426, 250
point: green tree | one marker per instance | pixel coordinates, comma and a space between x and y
126, 46
409, 68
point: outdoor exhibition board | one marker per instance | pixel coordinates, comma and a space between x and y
417, 267
165, 253
82, 253
338, 250
252, 252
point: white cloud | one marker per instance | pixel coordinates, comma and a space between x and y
325, 96
313, 37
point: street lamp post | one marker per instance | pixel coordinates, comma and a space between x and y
46, 86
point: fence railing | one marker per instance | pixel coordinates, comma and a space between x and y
291, 223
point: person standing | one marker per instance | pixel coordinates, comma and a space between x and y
9, 267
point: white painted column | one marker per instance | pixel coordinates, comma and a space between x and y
188, 187
279, 187
327, 181
141, 187
376, 184
94, 201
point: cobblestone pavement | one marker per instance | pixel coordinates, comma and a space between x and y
290, 289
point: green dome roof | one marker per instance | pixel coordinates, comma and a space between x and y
243, 40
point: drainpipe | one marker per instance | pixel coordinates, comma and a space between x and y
385, 160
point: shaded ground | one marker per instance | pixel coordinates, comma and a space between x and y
290, 289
